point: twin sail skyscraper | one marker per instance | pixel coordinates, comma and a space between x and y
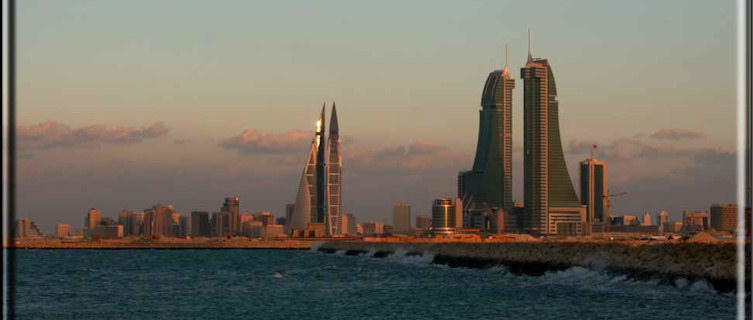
551, 206
319, 197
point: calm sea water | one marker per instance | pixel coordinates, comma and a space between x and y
241, 284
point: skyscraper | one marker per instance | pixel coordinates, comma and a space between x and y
334, 175
593, 193
232, 207
63, 230
200, 226
93, 217
401, 218
489, 183
321, 173
315, 194
124, 218
724, 217
551, 205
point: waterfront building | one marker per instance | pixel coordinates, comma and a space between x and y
551, 205
372, 228
125, 219
646, 219
446, 215
423, 222
348, 224
221, 224
158, 221
137, 224
200, 225
281, 221
401, 218
695, 221
253, 229
334, 175
27, 228
63, 230
489, 182
306, 203
319, 196
93, 218
232, 207
272, 231
265, 217
185, 226
107, 232
724, 217
594, 193
315, 230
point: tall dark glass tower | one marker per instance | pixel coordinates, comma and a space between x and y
321, 172
489, 183
551, 205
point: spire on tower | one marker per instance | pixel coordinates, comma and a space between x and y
505, 71
530, 58
333, 126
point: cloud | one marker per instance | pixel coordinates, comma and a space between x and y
677, 134
252, 141
633, 148
52, 134
417, 148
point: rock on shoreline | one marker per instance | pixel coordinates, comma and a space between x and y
715, 263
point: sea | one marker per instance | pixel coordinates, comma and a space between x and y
308, 284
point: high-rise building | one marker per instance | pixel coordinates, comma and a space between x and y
348, 224
423, 222
232, 207
551, 205
646, 219
695, 221
200, 226
372, 228
220, 224
334, 175
124, 218
662, 217
63, 230
93, 218
316, 194
137, 224
724, 217
446, 215
320, 215
489, 183
593, 193
158, 220
401, 218
27, 228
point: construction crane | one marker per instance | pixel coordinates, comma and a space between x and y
608, 198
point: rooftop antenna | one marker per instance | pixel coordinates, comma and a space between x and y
530, 58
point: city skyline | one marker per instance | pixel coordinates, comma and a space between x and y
176, 153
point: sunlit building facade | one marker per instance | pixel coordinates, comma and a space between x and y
489, 183
551, 205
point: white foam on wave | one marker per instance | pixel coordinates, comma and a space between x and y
316, 245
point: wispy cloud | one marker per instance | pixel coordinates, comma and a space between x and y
52, 134
253, 141
677, 134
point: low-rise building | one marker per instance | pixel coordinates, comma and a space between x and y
372, 228
63, 230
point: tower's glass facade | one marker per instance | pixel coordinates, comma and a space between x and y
547, 184
489, 183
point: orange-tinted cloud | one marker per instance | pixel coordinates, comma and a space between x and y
252, 141
52, 134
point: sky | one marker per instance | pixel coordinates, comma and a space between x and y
126, 104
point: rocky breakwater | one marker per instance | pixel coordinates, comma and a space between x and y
668, 262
